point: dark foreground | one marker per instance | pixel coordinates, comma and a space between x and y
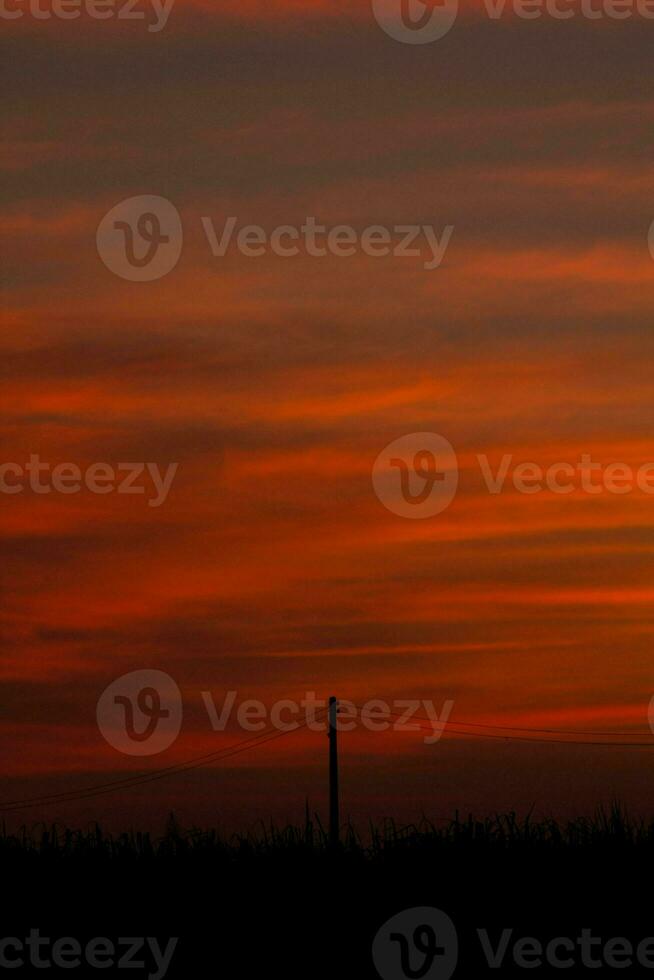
535, 899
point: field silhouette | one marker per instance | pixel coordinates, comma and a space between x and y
287, 900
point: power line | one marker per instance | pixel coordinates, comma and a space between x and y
127, 779
512, 728
456, 729
128, 782
544, 731
103, 789
518, 728
544, 741
450, 729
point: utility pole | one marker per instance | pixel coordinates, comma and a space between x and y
334, 819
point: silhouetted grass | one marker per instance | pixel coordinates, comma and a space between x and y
246, 900
500, 835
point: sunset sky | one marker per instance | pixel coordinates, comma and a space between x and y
274, 383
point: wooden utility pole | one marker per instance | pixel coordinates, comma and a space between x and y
334, 819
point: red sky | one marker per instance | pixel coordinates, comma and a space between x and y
272, 568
